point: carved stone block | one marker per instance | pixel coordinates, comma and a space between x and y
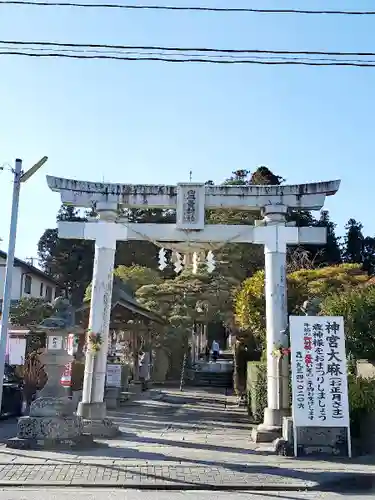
49, 427
104, 427
52, 407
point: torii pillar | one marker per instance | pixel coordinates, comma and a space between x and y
191, 200
275, 234
92, 407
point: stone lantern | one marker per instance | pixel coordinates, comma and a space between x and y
54, 359
52, 421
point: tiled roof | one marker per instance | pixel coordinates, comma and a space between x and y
31, 269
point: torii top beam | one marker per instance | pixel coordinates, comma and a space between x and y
252, 198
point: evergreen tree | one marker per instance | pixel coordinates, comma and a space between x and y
241, 260
264, 177
369, 255
71, 261
353, 242
330, 253
68, 261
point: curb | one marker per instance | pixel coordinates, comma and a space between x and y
158, 487
351, 483
153, 395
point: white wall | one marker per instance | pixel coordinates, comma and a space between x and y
16, 281
35, 287
18, 287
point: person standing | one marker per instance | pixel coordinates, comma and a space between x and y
144, 369
207, 353
215, 350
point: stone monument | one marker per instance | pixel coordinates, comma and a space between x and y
52, 422
191, 236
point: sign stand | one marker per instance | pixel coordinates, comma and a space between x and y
349, 442
295, 438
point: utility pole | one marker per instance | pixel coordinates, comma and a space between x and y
19, 177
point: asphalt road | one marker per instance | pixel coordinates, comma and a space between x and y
63, 494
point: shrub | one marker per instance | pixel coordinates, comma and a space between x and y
361, 394
256, 389
357, 306
361, 401
302, 285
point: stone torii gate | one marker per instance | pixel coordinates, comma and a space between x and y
190, 234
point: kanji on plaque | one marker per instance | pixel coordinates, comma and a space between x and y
318, 335
319, 374
190, 206
334, 369
300, 378
309, 372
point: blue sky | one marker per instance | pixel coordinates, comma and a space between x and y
139, 122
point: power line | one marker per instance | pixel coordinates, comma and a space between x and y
181, 8
187, 49
364, 64
177, 54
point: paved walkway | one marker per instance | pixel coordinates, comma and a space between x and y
194, 439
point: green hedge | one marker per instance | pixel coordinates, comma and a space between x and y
256, 388
361, 401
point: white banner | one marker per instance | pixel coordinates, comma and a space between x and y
17, 350
319, 372
113, 377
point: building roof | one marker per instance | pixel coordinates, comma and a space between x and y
31, 269
122, 296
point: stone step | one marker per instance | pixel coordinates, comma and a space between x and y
218, 379
226, 355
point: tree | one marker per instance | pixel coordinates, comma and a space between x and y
369, 255
178, 301
353, 242
242, 259
134, 277
302, 285
142, 252
330, 253
137, 276
357, 306
264, 176
29, 311
238, 177
70, 262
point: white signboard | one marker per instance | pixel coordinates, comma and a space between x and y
17, 349
55, 343
113, 378
319, 373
